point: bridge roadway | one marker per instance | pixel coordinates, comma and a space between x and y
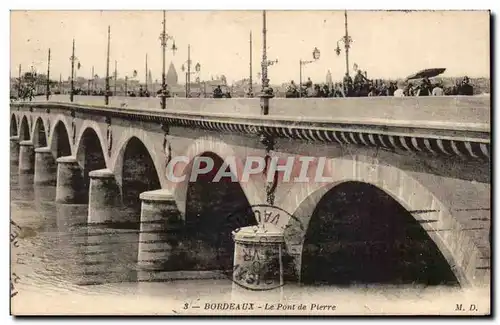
430, 154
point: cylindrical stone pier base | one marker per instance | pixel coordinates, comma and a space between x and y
103, 197
26, 157
45, 167
14, 149
258, 255
158, 238
69, 181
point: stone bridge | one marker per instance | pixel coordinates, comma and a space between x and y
409, 171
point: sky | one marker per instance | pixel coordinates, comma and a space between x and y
385, 44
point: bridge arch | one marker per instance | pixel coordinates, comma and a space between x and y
153, 149
253, 189
59, 140
213, 210
24, 129
13, 125
39, 134
432, 215
89, 154
92, 129
137, 172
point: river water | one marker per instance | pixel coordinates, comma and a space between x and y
60, 266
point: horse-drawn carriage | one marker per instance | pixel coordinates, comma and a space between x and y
221, 91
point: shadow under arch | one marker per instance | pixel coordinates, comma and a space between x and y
13, 125
138, 174
90, 155
358, 233
24, 129
39, 134
60, 145
213, 210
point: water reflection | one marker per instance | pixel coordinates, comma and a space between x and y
22, 189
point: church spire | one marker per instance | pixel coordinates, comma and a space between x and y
172, 77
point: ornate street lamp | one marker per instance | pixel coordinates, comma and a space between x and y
347, 40
315, 54
48, 77
197, 69
265, 62
164, 37
107, 90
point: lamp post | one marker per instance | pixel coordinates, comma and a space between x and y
48, 77
265, 62
315, 54
164, 37
347, 40
115, 78
106, 95
250, 87
20, 83
146, 81
72, 58
266, 90
188, 72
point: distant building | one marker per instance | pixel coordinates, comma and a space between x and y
172, 77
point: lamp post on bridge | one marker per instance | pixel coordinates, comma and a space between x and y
347, 40
188, 72
48, 77
267, 92
146, 81
107, 90
164, 37
250, 81
73, 59
316, 53
115, 79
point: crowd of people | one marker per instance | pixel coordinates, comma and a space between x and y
361, 86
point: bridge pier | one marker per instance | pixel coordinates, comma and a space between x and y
103, 196
258, 255
45, 167
26, 157
14, 149
69, 180
160, 225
